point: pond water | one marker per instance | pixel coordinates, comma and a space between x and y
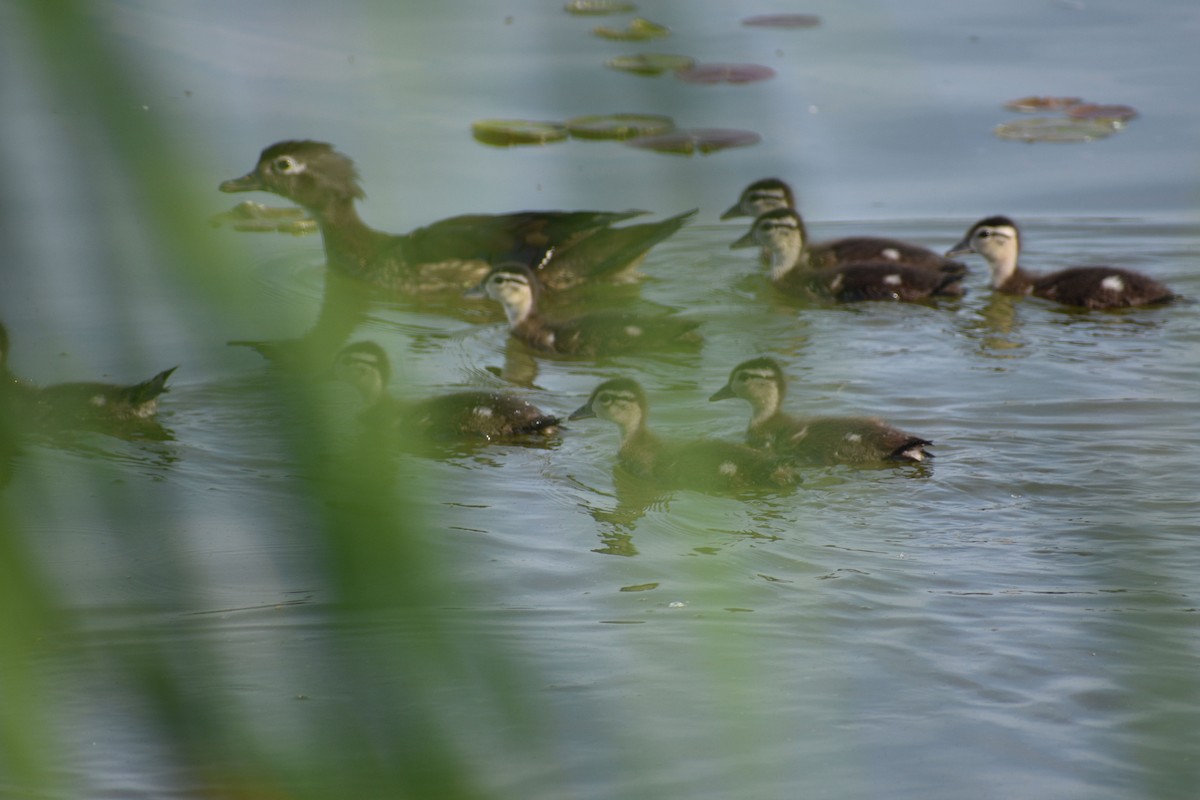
1017, 619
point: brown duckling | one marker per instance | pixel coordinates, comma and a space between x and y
568, 247
703, 464
760, 197
516, 288
780, 233
822, 440
998, 240
470, 415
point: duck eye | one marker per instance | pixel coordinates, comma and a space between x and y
984, 234
285, 165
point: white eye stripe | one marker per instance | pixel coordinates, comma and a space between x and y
762, 375
286, 165
608, 398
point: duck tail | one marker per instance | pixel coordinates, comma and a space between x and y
147, 391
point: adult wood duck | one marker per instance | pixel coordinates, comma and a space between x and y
821, 440
568, 247
517, 288
470, 415
777, 199
998, 240
760, 197
703, 464
780, 233
84, 402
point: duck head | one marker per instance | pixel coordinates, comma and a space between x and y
759, 382
310, 174
365, 366
760, 197
515, 287
998, 240
621, 401
781, 235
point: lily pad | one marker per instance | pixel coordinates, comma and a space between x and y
724, 73
1098, 112
1042, 103
1052, 129
509, 132
649, 63
783, 21
256, 217
696, 140
639, 29
595, 8
619, 126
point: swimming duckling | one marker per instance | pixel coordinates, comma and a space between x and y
760, 197
823, 440
999, 242
84, 402
471, 415
570, 247
516, 288
781, 234
773, 195
704, 464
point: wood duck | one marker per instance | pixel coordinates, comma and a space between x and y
517, 288
84, 402
760, 197
703, 464
470, 415
568, 247
847, 250
781, 234
999, 242
822, 440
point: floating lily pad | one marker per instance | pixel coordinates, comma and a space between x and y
724, 73
1098, 112
783, 21
639, 30
595, 8
649, 63
619, 126
256, 217
1042, 103
696, 140
1051, 129
509, 132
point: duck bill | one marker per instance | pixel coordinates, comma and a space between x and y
250, 182
583, 412
734, 210
724, 393
960, 249
745, 241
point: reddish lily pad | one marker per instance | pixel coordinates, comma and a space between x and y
619, 126
639, 29
783, 21
1100, 112
1042, 103
649, 63
696, 140
1052, 129
724, 73
256, 217
509, 132
595, 8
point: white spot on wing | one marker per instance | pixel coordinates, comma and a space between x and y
853, 437
482, 411
97, 400
633, 331
893, 280
1113, 283
890, 253
728, 468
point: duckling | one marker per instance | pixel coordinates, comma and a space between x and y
760, 197
704, 464
847, 250
569, 247
516, 288
999, 242
471, 415
781, 234
85, 402
827, 440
